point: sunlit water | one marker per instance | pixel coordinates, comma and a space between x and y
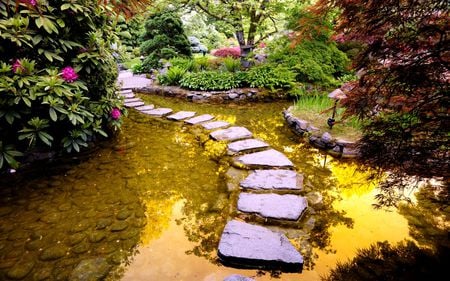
157, 188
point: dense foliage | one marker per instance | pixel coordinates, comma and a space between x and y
313, 61
404, 83
234, 52
57, 82
163, 38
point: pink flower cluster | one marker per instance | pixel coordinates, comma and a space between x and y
17, 65
69, 74
115, 113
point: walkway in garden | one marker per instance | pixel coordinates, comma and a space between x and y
270, 191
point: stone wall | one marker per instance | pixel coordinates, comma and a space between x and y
322, 140
230, 96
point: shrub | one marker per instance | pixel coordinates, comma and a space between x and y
57, 77
211, 80
234, 52
173, 76
270, 76
231, 64
312, 61
163, 38
187, 64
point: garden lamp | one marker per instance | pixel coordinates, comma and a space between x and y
337, 95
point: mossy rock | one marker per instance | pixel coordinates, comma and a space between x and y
20, 270
53, 253
90, 270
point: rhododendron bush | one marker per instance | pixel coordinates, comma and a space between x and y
57, 77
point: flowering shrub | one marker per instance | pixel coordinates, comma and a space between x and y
234, 52
57, 76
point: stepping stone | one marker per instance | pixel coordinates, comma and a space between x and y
274, 206
181, 115
128, 96
145, 107
231, 134
266, 158
134, 104
247, 245
132, 100
215, 125
158, 112
273, 179
199, 119
244, 145
122, 92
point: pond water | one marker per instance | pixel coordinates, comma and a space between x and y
151, 205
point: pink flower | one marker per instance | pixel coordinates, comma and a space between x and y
17, 65
115, 113
32, 2
69, 74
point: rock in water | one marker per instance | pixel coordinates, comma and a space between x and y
91, 269
252, 246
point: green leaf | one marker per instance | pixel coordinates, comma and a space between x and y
60, 22
48, 55
1, 161
53, 114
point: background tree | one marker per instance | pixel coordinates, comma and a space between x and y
251, 20
403, 90
163, 38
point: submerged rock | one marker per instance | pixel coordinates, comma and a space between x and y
267, 158
247, 245
20, 270
237, 277
91, 269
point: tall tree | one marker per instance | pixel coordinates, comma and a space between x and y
404, 87
251, 20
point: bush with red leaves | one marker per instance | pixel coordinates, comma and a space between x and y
234, 52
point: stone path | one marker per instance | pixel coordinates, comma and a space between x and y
246, 244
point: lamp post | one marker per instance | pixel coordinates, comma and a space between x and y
337, 95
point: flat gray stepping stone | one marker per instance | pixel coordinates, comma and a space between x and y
266, 158
247, 245
273, 179
275, 206
215, 125
126, 92
128, 96
199, 119
181, 115
132, 100
237, 277
158, 112
145, 107
244, 145
134, 104
231, 134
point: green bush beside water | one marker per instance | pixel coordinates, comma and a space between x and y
57, 77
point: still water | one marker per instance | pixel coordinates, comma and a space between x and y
151, 205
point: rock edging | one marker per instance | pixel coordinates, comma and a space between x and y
229, 96
325, 141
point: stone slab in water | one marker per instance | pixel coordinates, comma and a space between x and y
215, 125
199, 119
145, 107
244, 145
273, 179
158, 112
126, 92
247, 245
132, 100
267, 158
231, 134
134, 104
128, 96
275, 206
237, 277
181, 115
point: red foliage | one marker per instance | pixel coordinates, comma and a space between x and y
234, 52
406, 72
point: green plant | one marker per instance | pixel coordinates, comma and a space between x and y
57, 75
172, 77
187, 64
163, 38
203, 63
210, 80
137, 68
270, 76
231, 64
